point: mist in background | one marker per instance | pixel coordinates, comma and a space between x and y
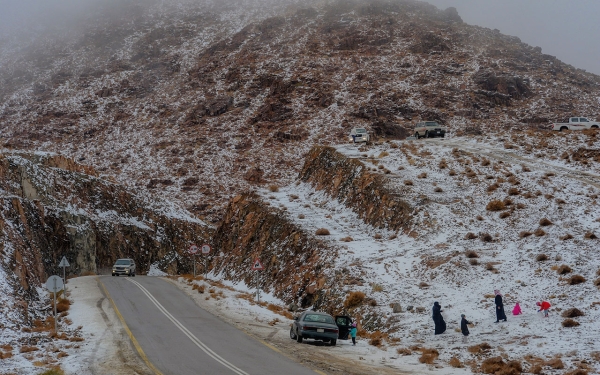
567, 29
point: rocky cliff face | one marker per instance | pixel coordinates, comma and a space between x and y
52, 207
349, 181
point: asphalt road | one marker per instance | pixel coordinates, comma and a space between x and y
180, 338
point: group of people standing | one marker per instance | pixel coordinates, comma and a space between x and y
440, 323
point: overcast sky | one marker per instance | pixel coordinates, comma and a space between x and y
567, 29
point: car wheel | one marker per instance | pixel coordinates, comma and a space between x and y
563, 128
133, 274
292, 334
443, 136
594, 126
426, 134
113, 274
333, 342
417, 135
298, 338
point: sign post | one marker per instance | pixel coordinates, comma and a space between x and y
54, 284
193, 250
205, 251
64, 263
257, 266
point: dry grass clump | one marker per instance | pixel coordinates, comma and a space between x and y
428, 356
576, 279
568, 323
536, 369
473, 262
423, 285
322, 232
513, 191
495, 205
471, 254
541, 257
383, 154
443, 164
490, 267
452, 172
577, 372
470, 236
273, 188
408, 183
572, 313
589, 236
404, 351
301, 216
539, 232
347, 239
479, 217
354, 299
376, 338
27, 349
438, 189
564, 269
63, 305
524, 234
555, 363
496, 365
476, 349
492, 187
455, 362
566, 237
504, 215
597, 282
545, 222
486, 237
485, 162
422, 175
53, 371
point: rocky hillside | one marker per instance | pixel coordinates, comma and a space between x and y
51, 207
198, 101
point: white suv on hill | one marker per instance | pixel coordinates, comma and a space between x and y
359, 135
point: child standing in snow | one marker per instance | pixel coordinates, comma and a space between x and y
517, 309
544, 306
353, 333
463, 327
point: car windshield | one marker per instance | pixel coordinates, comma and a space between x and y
318, 318
122, 262
431, 123
361, 130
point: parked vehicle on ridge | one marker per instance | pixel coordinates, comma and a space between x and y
320, 326
575, 123
429, 129
359, 135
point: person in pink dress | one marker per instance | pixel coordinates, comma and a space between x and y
517, 309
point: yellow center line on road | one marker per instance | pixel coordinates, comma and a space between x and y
129, 333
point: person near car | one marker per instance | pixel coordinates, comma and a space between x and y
464, 328
544, 306
438, 319
500, 315
353, 333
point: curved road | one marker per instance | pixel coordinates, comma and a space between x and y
180, 338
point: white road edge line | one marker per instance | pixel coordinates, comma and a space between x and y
191, 336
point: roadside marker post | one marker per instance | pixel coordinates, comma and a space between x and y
64, 263
54, 284
205, 251
193, 250
257, 266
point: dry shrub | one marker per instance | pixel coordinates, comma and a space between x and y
452, 172
597, 282
6, 347
539, 232
576, 279
492, 187
322, 232
471, 254
383, 154
536, 369
5, 355
590, 236
27, 349
438, 189
566, 237
443, 164
470, 236
485, 162
273, 188
486, 237
479, 217
471, 174
301, 216
490, 267
508, 201
404, 351
53, 371
555, 363
423, 284
513, 191
564, 269
354, 299
408, 183
422, 175
595, 356
428, 356
473, 262
455, 362
347, 239
541, 257
377, 287
476, 349
545, 222
495, 205
380, 166
572, 313
496, 365
63, 305
199, 288
577, 372
504, 215
524, 234
560, 201
567, 323
376, 338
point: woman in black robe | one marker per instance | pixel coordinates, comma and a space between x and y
500, 315
438, 319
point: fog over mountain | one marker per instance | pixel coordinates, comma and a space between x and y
566, 29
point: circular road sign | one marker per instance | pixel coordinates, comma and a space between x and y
206, 249
193, 249
54, 284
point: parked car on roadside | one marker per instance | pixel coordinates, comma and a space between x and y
124, 267
575, 123
359, 135
429, 129
320, 326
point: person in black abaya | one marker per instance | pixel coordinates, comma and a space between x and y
500, 315
438, 319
